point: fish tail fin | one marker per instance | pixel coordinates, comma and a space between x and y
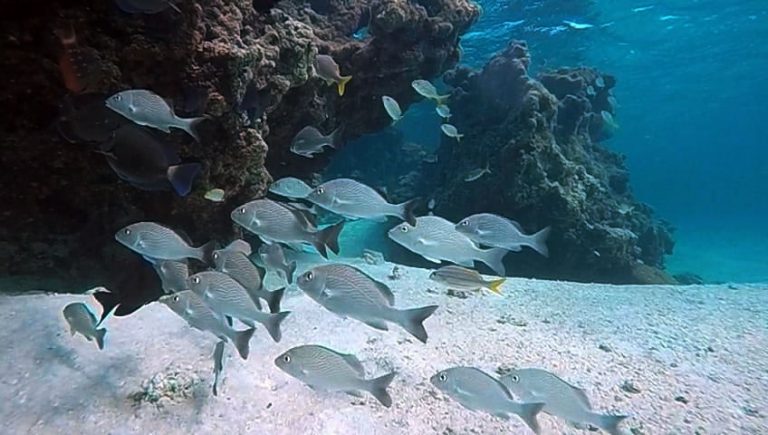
407, 210
108, 301
205, 252
328, 237
608, 423
190, 126
527, 412
100, 333
336, 136
495, 285
378, 388
441, 100
273, 324
342, 84
412, 321
538, 241
274, 298
494, 258
290, 271
242, 340
181, 177
458, 137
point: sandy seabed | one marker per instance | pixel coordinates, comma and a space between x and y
679, 360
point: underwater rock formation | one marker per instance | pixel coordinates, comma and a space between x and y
546, 169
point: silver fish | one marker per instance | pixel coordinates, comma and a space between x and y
326, 369
443, 111
327, 69
290, 187
310, 141
159, 242
353, 199
215, 195
237, 265
451, 131
479, 391
498, 231
273, 222
82, 320
436, 239
273, 257
477, 173
355, 295
173, 275
147, 108
392, 108
227, 297
428, 90
460, 278
145, 6
218, 365
561, 398
200, 316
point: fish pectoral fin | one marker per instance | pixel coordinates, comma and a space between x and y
425, 242
434, 260
377, 324
354, 393
501, 415
467, 263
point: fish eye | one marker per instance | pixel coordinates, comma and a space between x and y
515, 378
196, 280
443, 377
215, 255
241, 210
403, 228
464, 223
118, 97
308, 276
176, 298
127, 232
287, 358
320, 190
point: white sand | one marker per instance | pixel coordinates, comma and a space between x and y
55, 383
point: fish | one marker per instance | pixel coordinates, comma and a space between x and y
497, 231
227, 297
149, 109
273, 222
347, 292
273, 257
461, 278
436, 239
215, 195
322, 368
173, 275
83, 321
443, 111
218, 365
198, 315
479, 391
328, 70
148, 163
86, 119
148, 7
643, 8
428, 90
392, 108
310, 141
79, 66
159, 242
477, 173
609, 121
577, 26
290, 187
237, 265
353, 199
431, 204
451, 131
599, 82
561, 398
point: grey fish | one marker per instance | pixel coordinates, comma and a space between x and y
218, 365
290, 187
348, 295
273, 222
310, 141
479, 391
82, 320
326, 369
201, 317
147, 108
436, 239
227, 297
145, 6
237, 265
353, 199
443, 111
173, 275
273, 257
328, 70
451, 131
498, 231
392, 108
561, 398
159, 242
147, 162
428, 90
460, 278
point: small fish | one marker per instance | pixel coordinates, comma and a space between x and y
436, 239
600, 82
608, 121
326, 369
290, 187
173, 274
309, 141
561, 398
577, 26
199, 316
460, 278
643, 8
353, 199
147, 108
215, 195
148, 7
479, 391
159, 242
428, 90
626, 209
431, 204
273, 222
443, 111
227, 297
392, 108
218, 365
494, 230
79, 66
147, 163
273, 257
346, 291
477, 173
328, 70
451, 131
237, 265
82, 320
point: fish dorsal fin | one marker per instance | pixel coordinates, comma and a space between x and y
386, 292
354, 363
239, 245
582, 396
515, 224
